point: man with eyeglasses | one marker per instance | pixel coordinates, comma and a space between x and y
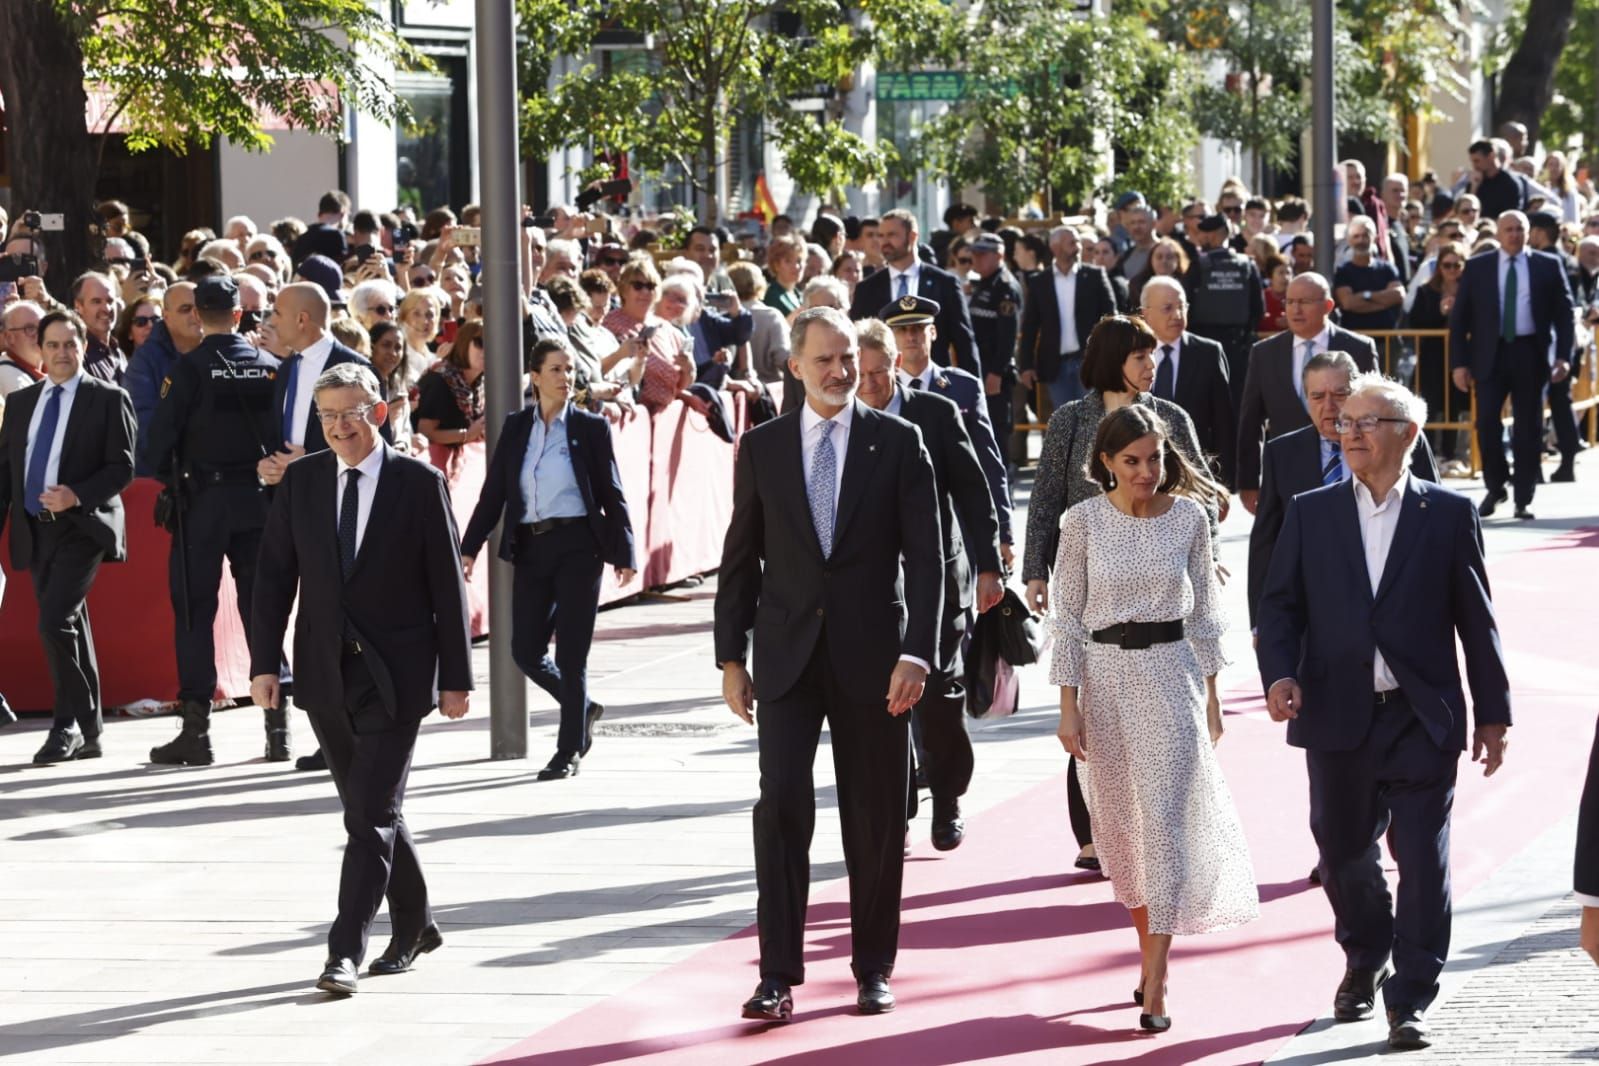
215, 422
23, 360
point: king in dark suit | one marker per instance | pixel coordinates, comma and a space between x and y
66, 454
833, 559
1191, 371
1371, 582
907, 275
381, 638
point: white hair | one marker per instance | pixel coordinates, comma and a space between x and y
567, 247
5, 314
243, 220
1590, 241
349, 376
225, 250
685, 286
1058, 230
832, 288
685, 268
1400, 401
1159, 282
364, 295
1363, 222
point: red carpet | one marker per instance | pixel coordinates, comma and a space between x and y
1004, 958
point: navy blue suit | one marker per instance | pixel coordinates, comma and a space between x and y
314, 440
1388, 766
956, 343
1516, 369
966, 391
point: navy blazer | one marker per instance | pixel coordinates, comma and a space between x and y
965, 390
588, 442
1203, 390
956, 344
314, 440
1474, 321
1319, 621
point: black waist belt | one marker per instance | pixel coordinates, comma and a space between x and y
1134, 636
1392, 696
352, 647
533, 529
227, 477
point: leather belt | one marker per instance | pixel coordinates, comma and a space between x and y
353, 647
1393, 695
1136, 636
45, 515
534, 529
227, 477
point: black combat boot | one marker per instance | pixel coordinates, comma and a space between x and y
192, 746
279, 748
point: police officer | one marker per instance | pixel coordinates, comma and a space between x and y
996, 308
1228, 298
211, 427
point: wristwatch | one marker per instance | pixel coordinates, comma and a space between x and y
1366, 295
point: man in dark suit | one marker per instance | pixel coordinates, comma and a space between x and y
1371, 580
907, 275
1511, 333
1191, 371
1064, 304
1587, 872
66, 454
381, 637
833, 558
1272, 403
963, 503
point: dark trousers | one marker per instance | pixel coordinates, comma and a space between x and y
1434, 385
65, 562
1561, 415
870, 759
946, 748
556, 592
1400, 783
369, 756
1077, 806
1521, 370
222, 522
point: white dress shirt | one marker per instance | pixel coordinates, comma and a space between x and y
366, 487
1524, 326
1319, 344
1378, 520
912, 275
926, 377
313, 361
52, 466
1066, 305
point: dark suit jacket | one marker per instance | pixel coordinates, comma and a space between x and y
314, 440
1290, 465
965, 391
1203, 390
405, 600
96, 464
1474, 321
775, 580
956, 344
1040, 347
1587, 879
588, 443
1319, 622
1271, 405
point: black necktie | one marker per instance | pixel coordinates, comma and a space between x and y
916, 383
1164, 375
349, 509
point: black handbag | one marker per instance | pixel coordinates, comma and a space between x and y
1019, 635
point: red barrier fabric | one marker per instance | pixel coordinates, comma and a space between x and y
630, 439
691, 496
464, 467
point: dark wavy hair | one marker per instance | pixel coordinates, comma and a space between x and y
1134, 422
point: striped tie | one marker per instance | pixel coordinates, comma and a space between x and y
1333, 472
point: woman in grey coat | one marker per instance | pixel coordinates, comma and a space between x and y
1118, 369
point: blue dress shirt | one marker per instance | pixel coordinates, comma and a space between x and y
549, 484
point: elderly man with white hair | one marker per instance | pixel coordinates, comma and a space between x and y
1368, 289
224, 251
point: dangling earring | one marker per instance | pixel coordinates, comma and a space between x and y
1113, 481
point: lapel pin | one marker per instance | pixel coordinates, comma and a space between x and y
1423, 505
872, 448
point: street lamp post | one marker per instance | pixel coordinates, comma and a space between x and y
1323, 141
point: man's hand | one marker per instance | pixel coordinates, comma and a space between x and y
1038, 596
1590, 932
58, 498
1462, 378
264, 691
1284, 699
738, 691
992, 383
1028, 378
454, 704
1560, 372
1250, 498
32, 288
269, 470
467, 563
1488, 744
1007, 555
905, 687
990, 590
625, 575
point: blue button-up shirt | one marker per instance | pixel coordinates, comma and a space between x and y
549, 484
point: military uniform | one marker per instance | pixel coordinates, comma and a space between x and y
996, 309
212, 426
1228, 304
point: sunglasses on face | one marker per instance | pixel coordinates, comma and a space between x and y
1451, 264
383, 309
142, 321
260, 254
613, 260
643, 286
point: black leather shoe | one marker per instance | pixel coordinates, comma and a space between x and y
1357, 994
1492, 501
949, 828
339, 977
1407, 1030
60, 746
772, 1002
562, 766
396, 959
872, 995
1154, 1023
314, 761
1524, 514
90, 750
1566, 471
595, 712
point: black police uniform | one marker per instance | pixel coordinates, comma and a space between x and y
216, 415
996, 309
1227, 306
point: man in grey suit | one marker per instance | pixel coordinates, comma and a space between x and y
1274, 401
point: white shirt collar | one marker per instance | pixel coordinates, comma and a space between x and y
1369, 506
809, 419
319, 349
370, 467
69, 387
1506, 257
1054, 266
1322, 340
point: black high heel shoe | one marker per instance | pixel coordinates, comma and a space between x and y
1155, 1023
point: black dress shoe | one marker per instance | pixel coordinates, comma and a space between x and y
1357, 994
772, 1002
314, 761
90, 749
872, 995
1087, 862
1492, 501
562, 766
1566, 471
60, 746
396, 959
1407, 1030
949, 828
1524, 514
595, 712
339, 977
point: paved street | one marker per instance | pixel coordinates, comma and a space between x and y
178, 916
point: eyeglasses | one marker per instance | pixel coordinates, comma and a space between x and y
26, 331
260, 254
1451, 264
1365, 423
643, 286
382, 309
145, 320
354, 414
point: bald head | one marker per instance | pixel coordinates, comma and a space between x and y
300, 315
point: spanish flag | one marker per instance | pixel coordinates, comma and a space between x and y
764, 205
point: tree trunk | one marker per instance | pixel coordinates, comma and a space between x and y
1527, 84
49, 151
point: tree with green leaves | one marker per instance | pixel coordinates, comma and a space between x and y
699, 68
174, 73
1546, 57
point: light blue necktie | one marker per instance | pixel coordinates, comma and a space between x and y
904, 287
1299, 378
1333, 472
824, 474
43, 441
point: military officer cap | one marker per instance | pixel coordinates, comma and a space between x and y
909, 311
987, 242
1212, 224
216, 293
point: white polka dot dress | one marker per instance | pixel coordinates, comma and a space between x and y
1165, 828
